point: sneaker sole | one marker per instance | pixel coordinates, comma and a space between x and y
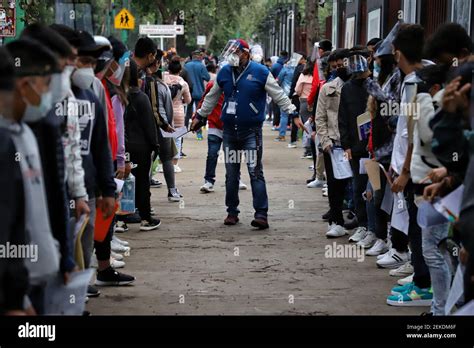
415, 303
375, 254
174, 200
332, 237
93, 295
120, 251
122, 283
390, 266
206, 190
399, 275
260, 227
151, 228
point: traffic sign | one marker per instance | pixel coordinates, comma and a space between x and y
124, 20
161, 29
201, 40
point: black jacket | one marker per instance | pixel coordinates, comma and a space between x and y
139, 122
48, 135
353, 103
295, 99
13, 273
96, 157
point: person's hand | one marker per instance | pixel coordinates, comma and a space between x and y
313, 135
436, 175
15, 313
431, 191
82, 208
463, 256
300, 124
107, 204
327, 149
128, 169
400, 183
455, 98
348, 154
120, 173
310, 108
195, 125
169, 129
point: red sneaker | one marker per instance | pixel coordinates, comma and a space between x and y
231, 220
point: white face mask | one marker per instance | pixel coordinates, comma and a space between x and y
61, 84
34, 113
83, 78
233, 60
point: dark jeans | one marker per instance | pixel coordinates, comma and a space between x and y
250, 142
141, 155
276, 114
381, 217
422, 273
189, 111
102, 249
336, 190
359, 185
213, 146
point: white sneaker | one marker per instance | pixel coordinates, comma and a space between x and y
336, 231
177, 169
116, 264
359, 234
242, 186
316, 184
380, 247
120, 226
159, 168
325, 192
393, 259
121, 241
292, 146
116, 256
118, 248
405, 280
207, 187
368, 241
381, 256
402, 271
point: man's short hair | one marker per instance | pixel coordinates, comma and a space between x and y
284, 54
32, 58
144, 47
410, 41
71, 35
325, 45
374, 41
174, 66
434, 74
7, 71
449, 38
341, 53
49, 38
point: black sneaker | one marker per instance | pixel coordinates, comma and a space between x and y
155, 183
92, 291
326, 216
110, 277
174, 195
311, 180
183, 155
149, 225
260, 223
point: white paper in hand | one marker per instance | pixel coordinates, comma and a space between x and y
340, 164
178, 132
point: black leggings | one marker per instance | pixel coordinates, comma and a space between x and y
141, 156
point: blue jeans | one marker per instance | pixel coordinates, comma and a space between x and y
213, 146
439, 269
283, 123
249, 142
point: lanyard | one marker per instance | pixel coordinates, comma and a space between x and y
241, 74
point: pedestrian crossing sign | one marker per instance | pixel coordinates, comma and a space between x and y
124, 20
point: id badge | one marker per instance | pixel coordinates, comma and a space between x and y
232, 107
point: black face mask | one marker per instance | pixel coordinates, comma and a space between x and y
342, 74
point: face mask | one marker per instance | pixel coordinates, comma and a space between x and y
233, 60
83, 78
34, 113
61, 84
117, 76
332, 75
342, 73
377, 70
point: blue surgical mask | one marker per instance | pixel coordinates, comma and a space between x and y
377, 70
35, 113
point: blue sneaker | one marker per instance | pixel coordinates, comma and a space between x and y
396, 290
412, 297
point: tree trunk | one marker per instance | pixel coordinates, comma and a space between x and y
312, 24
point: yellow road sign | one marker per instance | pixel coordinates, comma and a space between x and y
124, 20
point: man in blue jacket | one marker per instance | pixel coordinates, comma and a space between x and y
198, 74
245, 85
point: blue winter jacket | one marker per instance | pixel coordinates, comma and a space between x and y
198, 74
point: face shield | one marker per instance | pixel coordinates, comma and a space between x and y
231, 53
294, 60
105, 59
315, 52
357, 65
256, 53
123, 63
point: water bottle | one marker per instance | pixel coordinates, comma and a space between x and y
127, 203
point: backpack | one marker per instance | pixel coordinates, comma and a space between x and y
174, 89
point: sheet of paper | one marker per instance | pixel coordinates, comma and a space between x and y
457, 290
180, 131
68, 299
340, 164
400, 216
119, 184
80, 225
428, 216
450, 205
467, 309
373, 171
362, 169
